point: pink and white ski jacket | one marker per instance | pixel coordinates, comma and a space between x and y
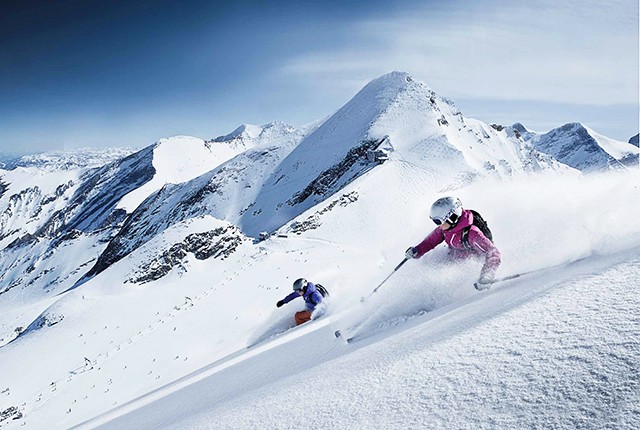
479, 244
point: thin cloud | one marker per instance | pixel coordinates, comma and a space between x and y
546, 51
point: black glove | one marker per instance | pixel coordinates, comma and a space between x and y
280, 303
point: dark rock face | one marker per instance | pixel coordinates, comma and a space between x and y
218, 244
98, 196
314, 221
634, 140
92, 207
138, 227
3, 188
630, 160
46, 319
332, 179
10, 413
90, 210
572, 145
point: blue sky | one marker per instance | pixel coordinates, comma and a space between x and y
80, 73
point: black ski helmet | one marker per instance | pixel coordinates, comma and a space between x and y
299, 284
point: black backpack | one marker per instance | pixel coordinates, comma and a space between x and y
482, 225
322, 290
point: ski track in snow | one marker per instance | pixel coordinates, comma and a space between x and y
577, 366
43, 395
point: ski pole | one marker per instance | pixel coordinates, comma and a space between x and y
362, 300
506, 278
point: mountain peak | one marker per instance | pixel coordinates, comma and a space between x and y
244, 131
386, 87
395, 78
520, 128
572, 126
275, 129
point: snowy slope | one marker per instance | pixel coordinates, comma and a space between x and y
534, 354
392, 113
178, 287
56, 223
31, 196
141, 337
222, 193
528, 353
179, 159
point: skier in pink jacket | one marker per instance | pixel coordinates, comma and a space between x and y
465, 239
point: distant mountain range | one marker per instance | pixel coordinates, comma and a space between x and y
96, 207
65, 160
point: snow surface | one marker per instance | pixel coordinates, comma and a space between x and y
615, 148
31, 196
557, 348
560, 351
179, 159
244, 131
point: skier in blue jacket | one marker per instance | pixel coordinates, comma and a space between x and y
312, 298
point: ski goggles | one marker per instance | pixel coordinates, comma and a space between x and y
451, 219
437, 221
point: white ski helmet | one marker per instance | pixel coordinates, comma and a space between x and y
299, 284
446, 209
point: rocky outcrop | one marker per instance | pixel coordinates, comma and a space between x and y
340, 174
314, 221
575, 145
217, 244
11, 413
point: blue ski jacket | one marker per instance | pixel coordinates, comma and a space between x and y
312, 297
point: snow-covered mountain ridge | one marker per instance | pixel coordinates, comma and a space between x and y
262, 178
250, 132
282, 180
153, 254
66, 160
582, 148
